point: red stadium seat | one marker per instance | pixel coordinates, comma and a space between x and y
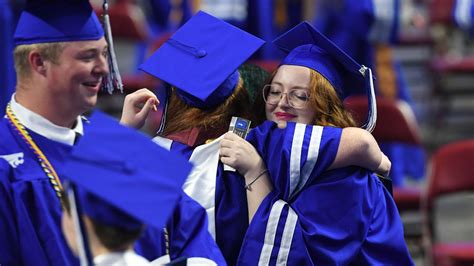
453, 94
395, 123
451, 173
127, 20
441, 11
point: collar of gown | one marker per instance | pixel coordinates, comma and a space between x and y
128, 257
44, 127
192, 137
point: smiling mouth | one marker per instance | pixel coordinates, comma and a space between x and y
92, 84
284, 116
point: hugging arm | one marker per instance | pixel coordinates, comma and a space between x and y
359, 148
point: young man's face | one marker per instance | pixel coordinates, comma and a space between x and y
75, 79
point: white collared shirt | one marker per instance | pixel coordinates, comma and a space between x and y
128, 258
44, 127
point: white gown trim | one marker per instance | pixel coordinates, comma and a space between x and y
201, 182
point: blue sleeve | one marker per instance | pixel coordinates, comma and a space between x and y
384, 243
295, 156
189, 235
9, 243
347, 217
324, 225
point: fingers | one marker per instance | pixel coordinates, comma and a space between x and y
225, 143
384, 167
228, 161
388, 165
141, 97
230, 147
231, 136
231, 140
225, 152
281, 124
227, 156
149, 105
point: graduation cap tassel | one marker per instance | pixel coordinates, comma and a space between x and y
372, 112
161, 129
84, 251
113, 80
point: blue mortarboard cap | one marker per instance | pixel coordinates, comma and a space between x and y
123, 179
307, 47
45, 21
201, 59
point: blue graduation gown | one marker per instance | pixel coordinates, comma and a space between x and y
227, 206
338, 217
408, 160
187, 232
30, 212
221, 193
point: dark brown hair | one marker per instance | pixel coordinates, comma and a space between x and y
115, 239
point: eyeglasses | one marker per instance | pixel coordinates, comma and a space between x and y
297, 98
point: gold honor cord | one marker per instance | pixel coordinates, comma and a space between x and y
44, 162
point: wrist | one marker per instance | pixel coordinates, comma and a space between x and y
254, 171
248, 185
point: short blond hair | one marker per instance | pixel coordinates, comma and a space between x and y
48, 51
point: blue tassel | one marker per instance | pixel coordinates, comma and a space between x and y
113, 80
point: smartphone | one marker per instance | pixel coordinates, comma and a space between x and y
241, 128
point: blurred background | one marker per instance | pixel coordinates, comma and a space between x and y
423, 55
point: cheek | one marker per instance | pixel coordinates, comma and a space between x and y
306, 117
269, 111
63, 80
77, 73
78, 76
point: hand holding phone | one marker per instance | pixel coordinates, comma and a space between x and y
241, 128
